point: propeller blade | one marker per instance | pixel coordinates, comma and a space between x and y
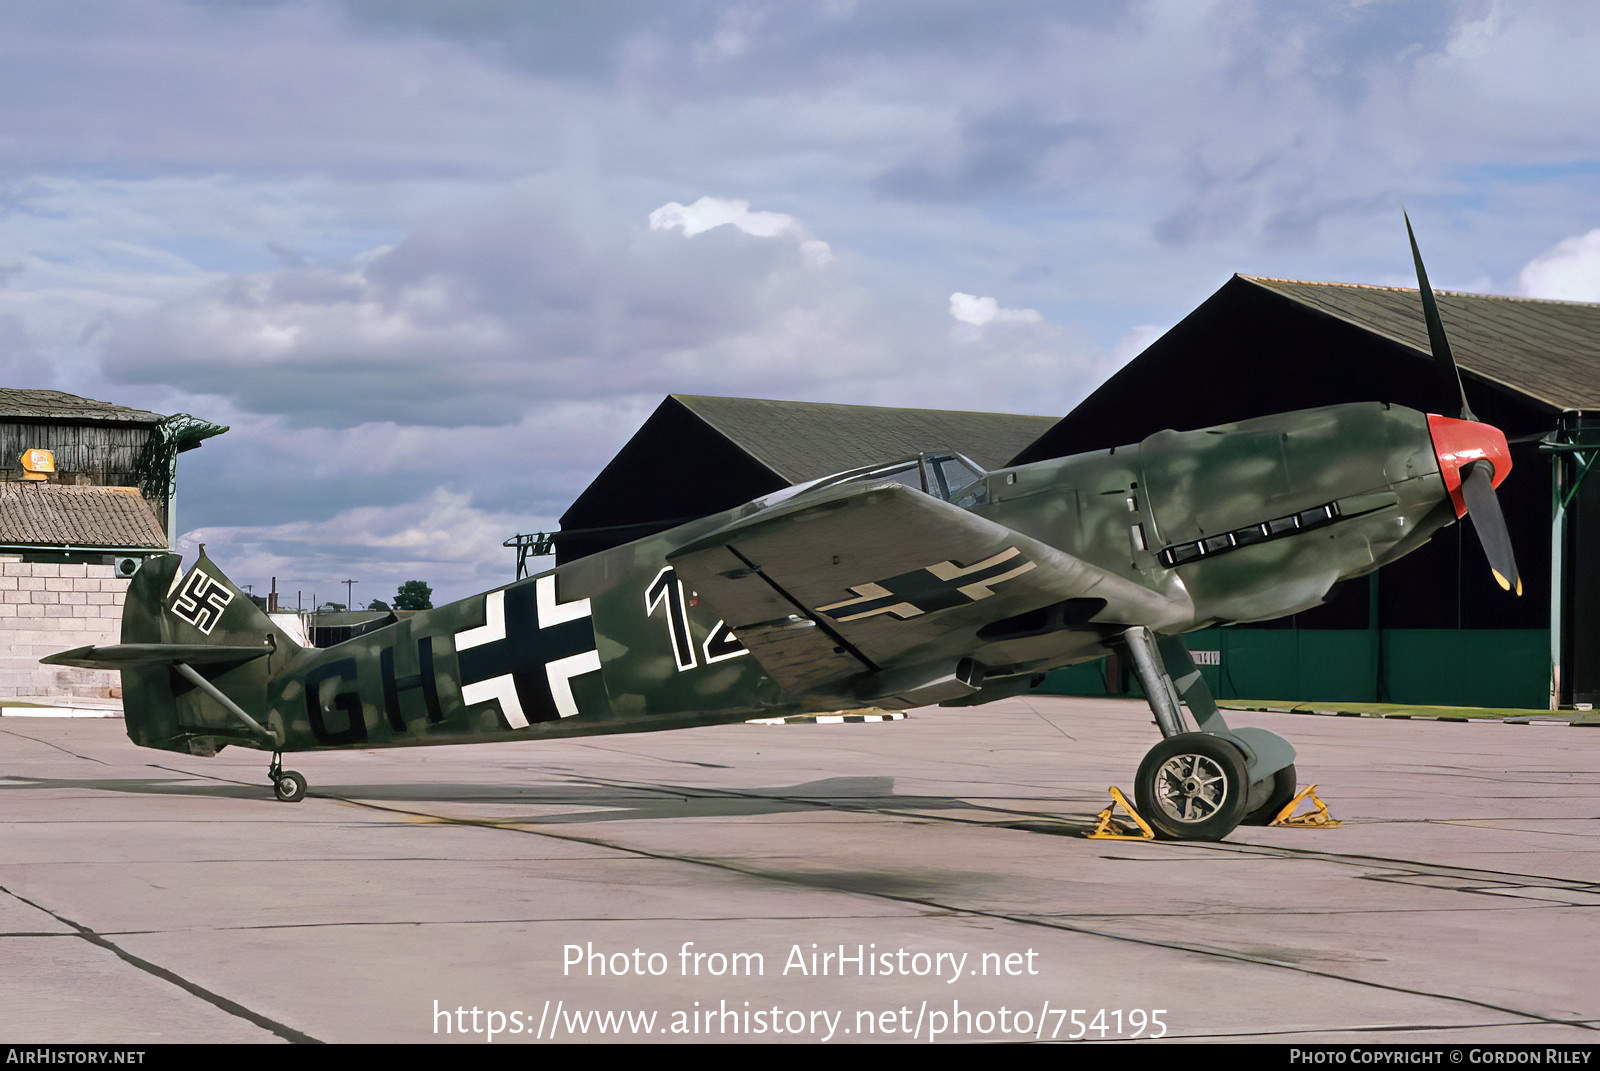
1449, 375
1490, 524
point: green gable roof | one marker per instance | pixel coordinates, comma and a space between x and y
696, 455
801, 441
1548, 350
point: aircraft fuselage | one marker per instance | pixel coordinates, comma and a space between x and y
1245, 522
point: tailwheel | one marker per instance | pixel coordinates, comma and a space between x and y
1192, 786
288, 785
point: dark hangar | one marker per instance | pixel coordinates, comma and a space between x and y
1432, 628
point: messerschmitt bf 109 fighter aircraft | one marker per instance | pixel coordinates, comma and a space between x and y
920, 581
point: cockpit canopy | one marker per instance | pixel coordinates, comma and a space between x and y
946, 475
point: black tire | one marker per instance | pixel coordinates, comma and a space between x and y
1192, 786
1284, 786
290, 787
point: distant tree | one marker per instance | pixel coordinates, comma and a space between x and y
413, 595
377, 604
330, 608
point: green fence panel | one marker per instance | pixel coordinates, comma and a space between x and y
1451, 667
1468, 668
1086, 678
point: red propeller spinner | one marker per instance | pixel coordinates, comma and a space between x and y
1459, 443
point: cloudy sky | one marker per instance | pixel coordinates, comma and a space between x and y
434, 262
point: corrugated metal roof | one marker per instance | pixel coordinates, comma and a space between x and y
804, 440
79, 516
56, 405
1549, 350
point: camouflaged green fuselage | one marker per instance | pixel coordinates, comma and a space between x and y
1243, 522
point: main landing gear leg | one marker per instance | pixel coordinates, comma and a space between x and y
1201, 785
288, 785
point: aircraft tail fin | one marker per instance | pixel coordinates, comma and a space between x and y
196, 657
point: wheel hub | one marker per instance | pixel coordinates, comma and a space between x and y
1191, 788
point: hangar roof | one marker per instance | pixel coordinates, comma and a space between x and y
696, 455
1549, 350
1261, 345
804, 440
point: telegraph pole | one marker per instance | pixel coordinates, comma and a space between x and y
349, 598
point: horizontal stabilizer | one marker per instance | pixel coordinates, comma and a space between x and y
132, 655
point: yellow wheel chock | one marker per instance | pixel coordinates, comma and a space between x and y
1318, 819
1105, 830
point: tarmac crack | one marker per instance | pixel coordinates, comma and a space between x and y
155, 970
656, 758
343, 923
1036, 713
1409, 867
851, 804
58, 747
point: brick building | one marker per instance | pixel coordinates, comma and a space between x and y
60, 552
69, 543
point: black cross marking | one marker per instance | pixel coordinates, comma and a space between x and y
931, 588
526, 652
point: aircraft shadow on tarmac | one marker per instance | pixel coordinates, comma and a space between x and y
598, 801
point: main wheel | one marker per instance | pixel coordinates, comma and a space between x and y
1284, 784
290, 786
1192, 786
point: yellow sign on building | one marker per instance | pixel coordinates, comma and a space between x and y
37, 464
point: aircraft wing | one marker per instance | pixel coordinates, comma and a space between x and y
865, 580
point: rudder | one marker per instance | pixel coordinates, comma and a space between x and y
177, 626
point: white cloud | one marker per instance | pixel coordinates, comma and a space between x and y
711, 212
971, 309
1569, 272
